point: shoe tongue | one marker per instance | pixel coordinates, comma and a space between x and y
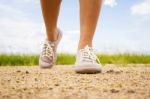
87, 47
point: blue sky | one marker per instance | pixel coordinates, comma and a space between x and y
123, 26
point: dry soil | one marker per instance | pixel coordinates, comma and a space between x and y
61, 82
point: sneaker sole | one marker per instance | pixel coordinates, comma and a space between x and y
87, 69
45, 65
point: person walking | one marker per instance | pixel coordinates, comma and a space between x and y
86, 59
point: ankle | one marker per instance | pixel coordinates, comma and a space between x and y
83, 45
52, 35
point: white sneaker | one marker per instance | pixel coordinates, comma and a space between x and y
87, 61
48, 55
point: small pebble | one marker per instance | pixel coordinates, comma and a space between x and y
110, 71
56, 84
18, 71
131, 91
114, 91
27, 72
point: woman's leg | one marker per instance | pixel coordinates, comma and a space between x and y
50, 10
89, 13
86, 59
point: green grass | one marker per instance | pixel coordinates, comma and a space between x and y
124, 59
66, 59
16, 60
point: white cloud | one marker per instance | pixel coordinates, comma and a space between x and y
68, 43
31, 1
142, 8
110, 3
18, 33
20, 36
122, 46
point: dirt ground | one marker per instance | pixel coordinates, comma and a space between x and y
61, 82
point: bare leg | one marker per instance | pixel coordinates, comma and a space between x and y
50, 10
89, 13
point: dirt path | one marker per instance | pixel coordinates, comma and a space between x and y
61, 82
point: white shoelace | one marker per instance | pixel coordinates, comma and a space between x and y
48, 50
88, 54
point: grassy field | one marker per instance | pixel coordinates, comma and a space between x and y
66, 59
